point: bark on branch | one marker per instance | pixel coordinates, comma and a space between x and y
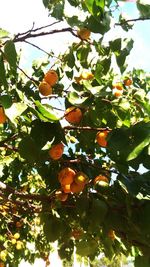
131, 20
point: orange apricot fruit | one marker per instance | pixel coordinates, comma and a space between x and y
127, 82
61, 196
81, 178
19, 224
45, 89
66, 176
76, 233
51, 77
101, 138
117, 93
84, 33
56, 151
3, 117
66, 188
2, 264
118, 86
101, 180
86, 75
77, 188
111, 234
73, 115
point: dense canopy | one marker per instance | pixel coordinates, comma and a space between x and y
75, 141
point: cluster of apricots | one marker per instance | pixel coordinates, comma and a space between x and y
50, 79
3, 117
15, 241
72, 181
118, 87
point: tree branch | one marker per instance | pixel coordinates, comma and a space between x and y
37, 197
131, 20
23, 37
85, 128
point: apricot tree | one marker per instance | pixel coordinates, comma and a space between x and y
75, 141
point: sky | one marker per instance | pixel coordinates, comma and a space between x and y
18, 16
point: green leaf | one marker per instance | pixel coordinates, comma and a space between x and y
3, 33
86, 247
10, 54
98, 211
46, 111
3, 73
115, 45
144, 9
137, 150
28, 149
141, 261
99, 26
95, 7
6, 101
15, 111
58, 11
76, 99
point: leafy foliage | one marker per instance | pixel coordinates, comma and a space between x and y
31, 123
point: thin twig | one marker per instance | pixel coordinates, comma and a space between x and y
85, 128
131, 20
34, 35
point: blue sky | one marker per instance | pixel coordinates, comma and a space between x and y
22, 14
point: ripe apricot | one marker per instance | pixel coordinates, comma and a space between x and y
84, 33
111, 234
118, 86
73, 115
101, 179
80, 178
56, 151
19, 224
76, 188
3, 117
127, 82
117, 93
66, 188
101, 138
61, 196
86, 75
2, 264
66, 176
45, 89
51, 77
